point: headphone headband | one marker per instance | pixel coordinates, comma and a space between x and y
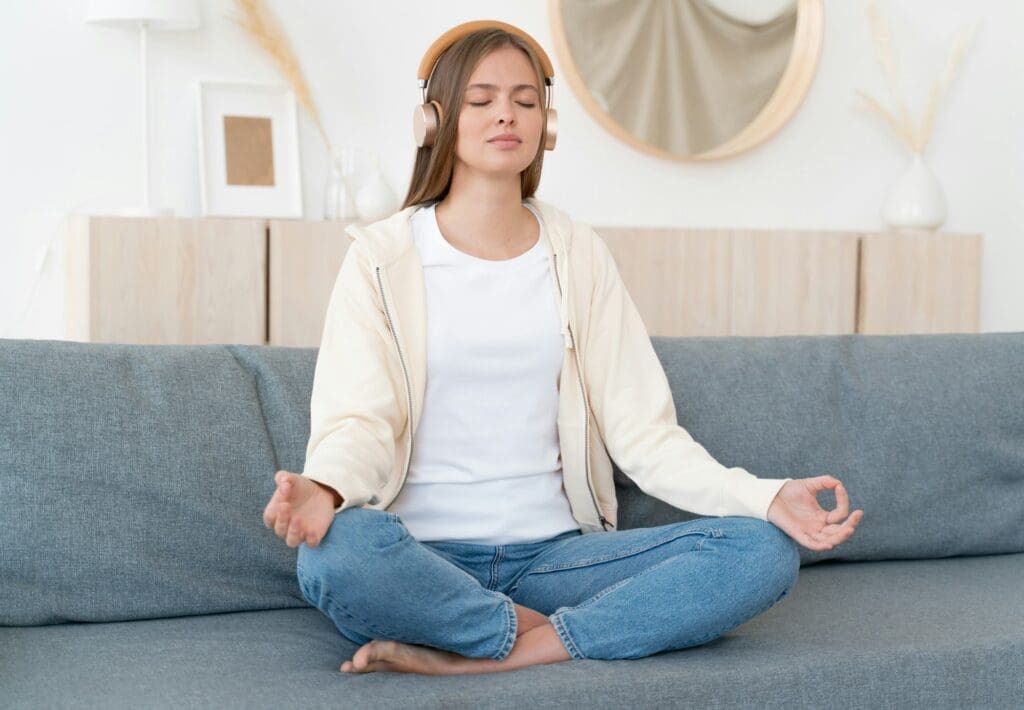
459, 31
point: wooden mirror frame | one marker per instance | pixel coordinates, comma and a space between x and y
788, 95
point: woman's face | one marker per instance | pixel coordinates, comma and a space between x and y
502, 97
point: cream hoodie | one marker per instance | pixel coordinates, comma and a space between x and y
614, 397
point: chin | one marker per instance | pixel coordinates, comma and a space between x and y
501, 167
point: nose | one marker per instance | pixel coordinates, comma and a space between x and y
506, 110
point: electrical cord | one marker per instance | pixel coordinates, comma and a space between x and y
40, 266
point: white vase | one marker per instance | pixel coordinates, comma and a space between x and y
915, 201
339, 202
375, 199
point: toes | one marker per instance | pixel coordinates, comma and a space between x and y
364, 656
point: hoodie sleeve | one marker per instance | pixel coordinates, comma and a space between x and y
633, 408
354, 410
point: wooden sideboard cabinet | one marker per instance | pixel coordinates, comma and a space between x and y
268, 281
165, 280
919, 283
304, 262
755, 282
738, 282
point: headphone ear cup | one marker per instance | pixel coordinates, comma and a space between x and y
552, 129
426, 120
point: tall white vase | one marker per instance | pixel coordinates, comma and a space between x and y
915, 201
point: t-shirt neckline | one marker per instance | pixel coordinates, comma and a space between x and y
471, 259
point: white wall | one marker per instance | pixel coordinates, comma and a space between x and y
70, 123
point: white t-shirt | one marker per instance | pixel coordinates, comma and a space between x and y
486, 465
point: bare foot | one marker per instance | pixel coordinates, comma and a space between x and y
540, 644
398, 657
528, 619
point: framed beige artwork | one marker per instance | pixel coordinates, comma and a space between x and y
248, 150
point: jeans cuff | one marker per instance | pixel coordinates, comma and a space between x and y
563, 633
513, 627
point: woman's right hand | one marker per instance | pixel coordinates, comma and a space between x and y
301, 510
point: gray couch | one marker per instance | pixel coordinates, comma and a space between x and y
135, 570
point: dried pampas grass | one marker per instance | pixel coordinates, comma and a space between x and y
265, 30
915, 137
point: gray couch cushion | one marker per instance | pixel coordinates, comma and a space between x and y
133, 479
900, 634
925, 431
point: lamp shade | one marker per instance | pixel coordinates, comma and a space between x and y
158, 14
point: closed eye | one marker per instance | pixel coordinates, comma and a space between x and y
484, 103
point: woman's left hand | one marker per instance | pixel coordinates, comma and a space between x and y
796, 511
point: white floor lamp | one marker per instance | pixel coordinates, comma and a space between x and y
145, 15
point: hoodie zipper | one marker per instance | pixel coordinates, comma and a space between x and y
586, 407
405, 372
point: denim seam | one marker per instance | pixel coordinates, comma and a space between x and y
495, 566
704, 532
563, 634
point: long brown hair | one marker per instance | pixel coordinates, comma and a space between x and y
432, 173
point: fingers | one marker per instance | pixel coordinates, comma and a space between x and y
822, 483
281, 515
826, 536
279, 510
814, 540
842, 505
296, 533
284, 517
834, 535
281, 494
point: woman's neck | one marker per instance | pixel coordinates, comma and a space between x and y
486, 217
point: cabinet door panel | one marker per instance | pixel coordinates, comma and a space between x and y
923, 282
304, 262
166, 280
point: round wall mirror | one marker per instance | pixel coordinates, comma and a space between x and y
688, 80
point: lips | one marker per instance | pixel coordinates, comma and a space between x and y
505, 137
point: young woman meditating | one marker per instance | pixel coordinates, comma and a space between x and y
481, 366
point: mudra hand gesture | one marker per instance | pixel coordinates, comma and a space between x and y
796, 512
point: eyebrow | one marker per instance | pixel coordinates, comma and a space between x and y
518, 87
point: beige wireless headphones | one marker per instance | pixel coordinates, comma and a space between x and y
427, 116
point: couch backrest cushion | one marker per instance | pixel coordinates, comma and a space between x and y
133, 478
926, 432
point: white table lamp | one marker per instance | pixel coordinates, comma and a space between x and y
145, 15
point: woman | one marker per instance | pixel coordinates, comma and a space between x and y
476, 554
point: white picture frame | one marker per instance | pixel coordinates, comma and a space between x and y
248, 150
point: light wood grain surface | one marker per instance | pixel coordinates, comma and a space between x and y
920, 283
304, 262
224, 280
166, 280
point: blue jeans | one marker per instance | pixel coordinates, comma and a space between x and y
609, 595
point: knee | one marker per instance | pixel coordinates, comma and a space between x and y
780, 556
355, 535
771, 554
